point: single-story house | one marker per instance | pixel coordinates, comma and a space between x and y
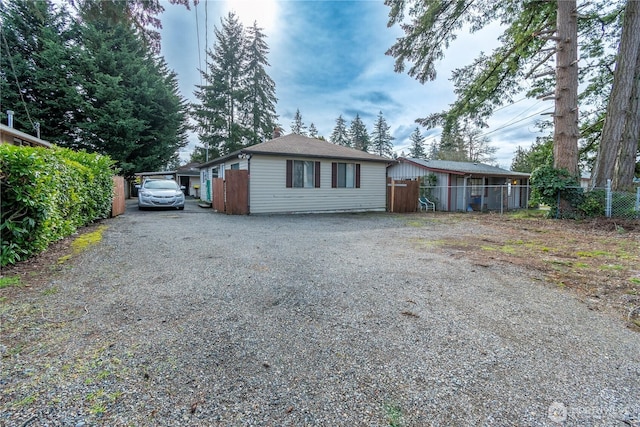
464, 186
188, 176
298, 174
12, 136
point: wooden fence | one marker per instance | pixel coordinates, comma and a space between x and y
402, 196
118, 205
231, 195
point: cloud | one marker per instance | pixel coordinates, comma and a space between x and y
328, 59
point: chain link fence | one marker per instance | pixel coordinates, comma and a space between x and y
573, 202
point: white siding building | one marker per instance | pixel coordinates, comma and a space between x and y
297, 174
463, 186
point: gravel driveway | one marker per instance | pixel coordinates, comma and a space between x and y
191, 318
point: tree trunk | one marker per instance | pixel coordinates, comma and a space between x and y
621, 120
626, 166
565, 147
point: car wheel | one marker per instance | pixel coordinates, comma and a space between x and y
180, 208
140, 208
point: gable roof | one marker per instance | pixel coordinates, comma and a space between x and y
294, 145
462, 168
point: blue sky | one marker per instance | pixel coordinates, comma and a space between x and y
327, 59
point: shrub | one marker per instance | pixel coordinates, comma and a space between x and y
46, 194
556, 187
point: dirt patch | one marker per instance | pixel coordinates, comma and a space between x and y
598, 260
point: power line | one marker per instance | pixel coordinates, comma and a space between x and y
516, 122
15, 75
198, 36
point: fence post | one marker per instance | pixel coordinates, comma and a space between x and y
608, 200
637, 199
501, 199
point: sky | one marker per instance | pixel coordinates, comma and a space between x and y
327, 59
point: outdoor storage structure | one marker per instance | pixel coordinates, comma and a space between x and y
464, 186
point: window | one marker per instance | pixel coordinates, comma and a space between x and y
303, 174
345, 175
235, 166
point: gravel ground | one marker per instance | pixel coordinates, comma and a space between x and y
193, 318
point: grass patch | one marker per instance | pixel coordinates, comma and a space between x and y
6, 282
528, 214
83, 242
635, 280
591, 254
393, 414
611, 267
51, 291
28, 400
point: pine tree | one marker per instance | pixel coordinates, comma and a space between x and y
417, 150
340, 135
38, 58
358, 134
222, 112
135, 113
298, 126
381, 137
313, 132
261, 99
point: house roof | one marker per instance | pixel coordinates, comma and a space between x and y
294, 145
463, 168
9, 132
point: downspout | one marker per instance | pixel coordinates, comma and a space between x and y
249, 184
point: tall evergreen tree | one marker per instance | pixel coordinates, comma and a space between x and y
540, 154
465, 143
340, 135
135, 113
261, 92
222, 112
313, 132
298, 126
417, 150
358, 134
39, 81
382, 141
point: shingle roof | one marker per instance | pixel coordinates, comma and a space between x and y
294, 145
463, 167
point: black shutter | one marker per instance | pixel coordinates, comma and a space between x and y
317, 174
334, 175
289, 173
357, 175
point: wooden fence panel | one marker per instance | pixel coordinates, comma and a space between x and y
237, 191
402, 196
218, 194
118, 205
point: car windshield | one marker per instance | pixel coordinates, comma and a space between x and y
161, 185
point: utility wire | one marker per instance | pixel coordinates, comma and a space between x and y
198, 36
518, 121
15, 75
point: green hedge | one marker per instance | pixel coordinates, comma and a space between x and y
46, 194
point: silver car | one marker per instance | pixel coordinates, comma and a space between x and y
160, 193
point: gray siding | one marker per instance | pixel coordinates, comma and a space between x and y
268, 192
